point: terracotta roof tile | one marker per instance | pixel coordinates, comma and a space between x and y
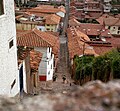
52, 19
35, 58
105, 33
115, 41
37, 14
93, 32
46, 9
90, 29
76, 41
37, 38
100, 50
73, 22
111, 21
56, 34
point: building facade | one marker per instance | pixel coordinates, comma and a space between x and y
9, 78
46, 65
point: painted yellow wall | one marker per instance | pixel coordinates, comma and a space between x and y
20, 26
51, 28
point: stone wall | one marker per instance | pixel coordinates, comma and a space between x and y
93, 96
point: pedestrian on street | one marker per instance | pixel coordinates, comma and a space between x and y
64, 78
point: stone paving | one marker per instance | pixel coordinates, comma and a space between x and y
59, 86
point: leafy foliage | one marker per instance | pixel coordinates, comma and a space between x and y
102, 67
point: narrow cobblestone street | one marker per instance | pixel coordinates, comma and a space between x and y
59, 86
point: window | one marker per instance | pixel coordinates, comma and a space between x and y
113, 28
48, 72
10, 44
13, 83
47, 29
118, 28
48, 25
49, 49
1, 7
109, 27
118, 32
51, 66
54, 63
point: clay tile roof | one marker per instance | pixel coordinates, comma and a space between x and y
100, 50
100, 20
62, 8
93, 32
76, 41
73, 22
105, 33
115, 41
111, 21
20, 32
56, 34
90, 29
38, 14
91, 26
52, 19
46, 9
35, 58
117, 16
37, 38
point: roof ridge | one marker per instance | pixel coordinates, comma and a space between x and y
34, 30
76, 38
42, 37
117, 20
27, 31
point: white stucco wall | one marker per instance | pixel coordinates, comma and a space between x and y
113, 29
8, 57
43, 64
50, 68
24, 77
61, 14
42, 28
46, 62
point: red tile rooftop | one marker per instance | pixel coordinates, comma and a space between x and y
36, 38
76, 41
52, 19
100, 50
73, 22
115, 41
46, 9
35, 58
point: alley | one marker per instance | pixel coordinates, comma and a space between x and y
62, 69
59, 86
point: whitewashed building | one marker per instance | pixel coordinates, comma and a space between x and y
9, 78
46, 64
107, 6
45, 43
113, 24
